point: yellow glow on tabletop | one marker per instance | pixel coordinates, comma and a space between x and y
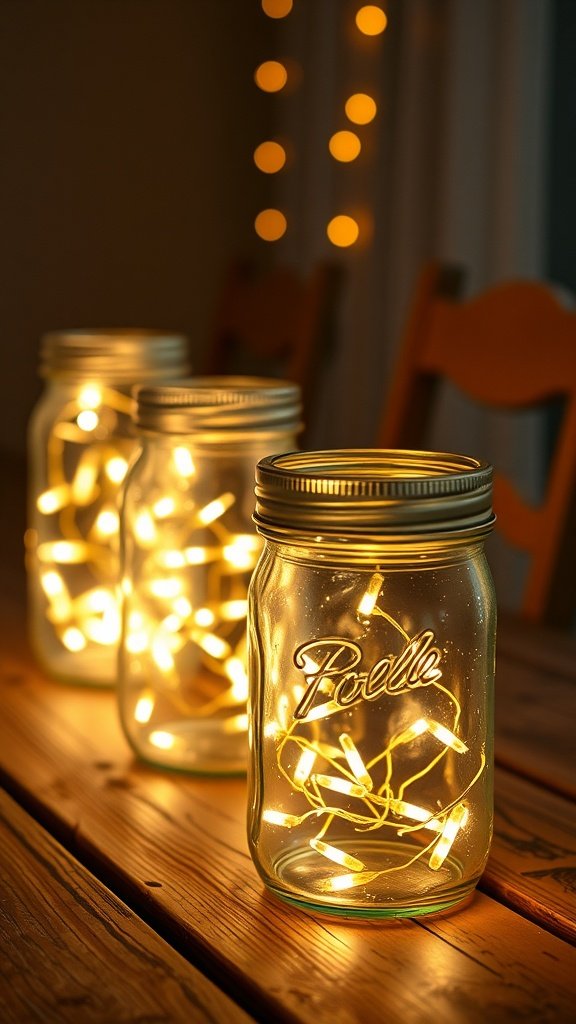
270, 225
371, 20
270, 157
344, 146
271, 76
360, 108
343, 231
277, 8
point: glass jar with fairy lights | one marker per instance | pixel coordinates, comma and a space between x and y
371, 663
188, 550
80, 440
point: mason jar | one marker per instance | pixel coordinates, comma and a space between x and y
188, 550
371, 664
80, 441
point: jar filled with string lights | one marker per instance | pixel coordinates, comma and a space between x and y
372, 638
188, 550
81, 438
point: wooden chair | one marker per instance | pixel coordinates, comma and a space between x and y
274, 324
512, 347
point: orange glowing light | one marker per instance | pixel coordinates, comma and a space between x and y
371, 20
344, 146
276, 8
360, 108
270, 225
270, 157
271, 76
343, 231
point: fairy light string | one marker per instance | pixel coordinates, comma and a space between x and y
78, 555
78, 519
370, 794
189, 605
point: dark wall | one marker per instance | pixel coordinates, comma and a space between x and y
126, 179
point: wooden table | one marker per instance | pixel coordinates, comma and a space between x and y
127, 894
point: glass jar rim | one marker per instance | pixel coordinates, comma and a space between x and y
114, 354
366, 494
217, 406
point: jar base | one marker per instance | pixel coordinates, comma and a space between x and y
395, 888
197, 747
97, 670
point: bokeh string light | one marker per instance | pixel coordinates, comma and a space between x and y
277, 8
270, 224
344, 230
371, 20
345, 146
270, 156
360, 108
271, 76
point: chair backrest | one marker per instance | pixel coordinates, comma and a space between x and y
274, 323
513, 346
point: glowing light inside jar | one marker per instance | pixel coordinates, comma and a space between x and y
214, 509
214, 645
171, 559
357, 766
455, 822
86, 463
196, 555
236, 724
53, 584
232, 611
88, 420
53, 500
107, 523
162, 740
165, 588
366, 606
338, 856
279, 818
236, 672
338, 785
164, 507
144, 709
73, 639
304, 766
116, 469
90, 397
64, 552
145, 528
184, 462
370, 791
241, 553
204, 617
162, 654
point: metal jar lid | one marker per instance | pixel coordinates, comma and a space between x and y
122, 356
230, 408
372, 493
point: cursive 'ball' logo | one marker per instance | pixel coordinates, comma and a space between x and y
332, 671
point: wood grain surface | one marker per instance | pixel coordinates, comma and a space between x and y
175, 849
535, 722
71, 951
156, 869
